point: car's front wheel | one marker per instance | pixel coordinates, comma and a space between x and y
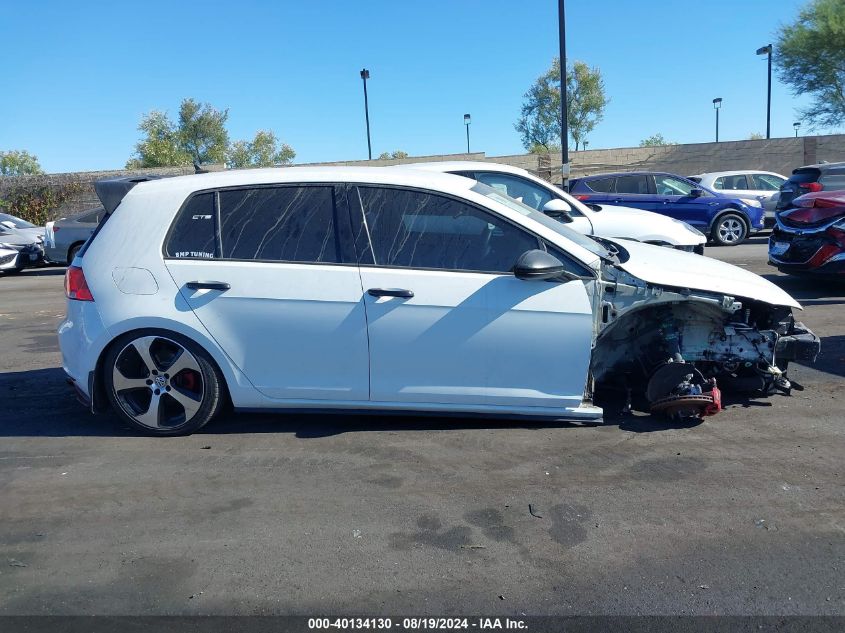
729, 230
162, 383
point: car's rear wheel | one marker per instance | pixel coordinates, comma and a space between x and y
162, 383
729, 230
71, 254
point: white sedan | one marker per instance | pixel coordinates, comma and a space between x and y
609, 221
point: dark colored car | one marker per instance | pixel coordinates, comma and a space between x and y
727, 221
810, 179
810, 238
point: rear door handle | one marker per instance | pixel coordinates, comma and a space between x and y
390, 292
208, 285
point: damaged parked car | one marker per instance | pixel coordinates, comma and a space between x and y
380, 289
810, 238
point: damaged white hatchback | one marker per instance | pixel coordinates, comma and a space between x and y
372, 289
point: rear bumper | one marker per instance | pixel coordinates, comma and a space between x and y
816, 252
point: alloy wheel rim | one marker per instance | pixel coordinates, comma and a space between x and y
731, 230
158, 382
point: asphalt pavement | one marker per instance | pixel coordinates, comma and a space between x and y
315, 514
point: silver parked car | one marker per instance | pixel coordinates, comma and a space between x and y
27, 228
64, 237
760, 185
18, 250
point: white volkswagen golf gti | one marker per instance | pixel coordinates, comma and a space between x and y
395, 290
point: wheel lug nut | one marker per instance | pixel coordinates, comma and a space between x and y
167, 388
167, 375
155, 372
149, 382
157, 391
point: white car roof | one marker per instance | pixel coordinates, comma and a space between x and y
737, 172
447, 183
464, 165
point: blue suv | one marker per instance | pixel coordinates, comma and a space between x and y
728, 221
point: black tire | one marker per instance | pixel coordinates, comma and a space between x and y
127, 401
71, 254
729, 229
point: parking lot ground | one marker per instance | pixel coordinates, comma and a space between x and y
311, 514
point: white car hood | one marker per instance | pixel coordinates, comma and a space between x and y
670, 267
645, 226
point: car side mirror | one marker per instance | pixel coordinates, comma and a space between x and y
696, 193
537, 265
558, 209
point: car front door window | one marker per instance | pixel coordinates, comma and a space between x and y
669, 186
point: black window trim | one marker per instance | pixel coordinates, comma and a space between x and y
541, 241
341, 207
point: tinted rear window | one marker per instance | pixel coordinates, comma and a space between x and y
289, 224
602, 185
192, 235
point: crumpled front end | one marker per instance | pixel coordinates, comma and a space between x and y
674, 345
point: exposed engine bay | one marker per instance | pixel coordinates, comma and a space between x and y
675, 345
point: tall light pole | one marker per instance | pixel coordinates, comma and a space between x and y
564, 126
796, 125
365, 74
585, 143
467, 121
717, 103
767, 50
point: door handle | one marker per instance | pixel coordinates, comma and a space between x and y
390, 292
207, 285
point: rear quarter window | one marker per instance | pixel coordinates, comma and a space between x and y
834, 179
805, 175
193, 234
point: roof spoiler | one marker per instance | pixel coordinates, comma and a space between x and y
112, 190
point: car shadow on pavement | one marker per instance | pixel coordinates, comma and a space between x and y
47, 271
39, 403
810, 291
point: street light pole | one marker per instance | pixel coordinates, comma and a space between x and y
717, 103
564, 124
767, 50
365, 74
796, 125
467, 121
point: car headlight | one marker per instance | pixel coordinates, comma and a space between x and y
751, 202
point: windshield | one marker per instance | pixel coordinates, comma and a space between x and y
19, 224
580, 239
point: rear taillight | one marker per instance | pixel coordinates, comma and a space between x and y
811, 186
582, 197
76, 287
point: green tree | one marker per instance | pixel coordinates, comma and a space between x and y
264, 150
393, 155
199, 136
810, 58
755, 136
539, 123
655, 140
161, 145
202, 131
19, 162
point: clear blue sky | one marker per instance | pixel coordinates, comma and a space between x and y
78, 76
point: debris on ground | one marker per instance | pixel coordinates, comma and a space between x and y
533, 512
